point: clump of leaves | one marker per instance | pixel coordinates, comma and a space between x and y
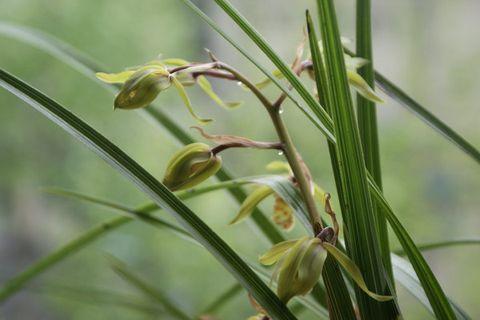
299, 263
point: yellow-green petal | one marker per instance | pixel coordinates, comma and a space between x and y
183, 94
206, 86
310, 267
362, 87
353, 63
353, 271
287, 285
276, 252
119, 77
251, 202
175, 62
279, 166
265, 82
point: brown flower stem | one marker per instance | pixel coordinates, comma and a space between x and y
260, 145
289, 149
266, 103
215, 74
298, 68
299, 173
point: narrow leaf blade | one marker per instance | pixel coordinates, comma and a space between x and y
151, 187
367, 118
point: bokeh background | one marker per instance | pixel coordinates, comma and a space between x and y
430, 48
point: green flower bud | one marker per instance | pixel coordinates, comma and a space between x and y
300, 269
190, 166
300, 264
142, 87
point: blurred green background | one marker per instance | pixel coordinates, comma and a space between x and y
427, 47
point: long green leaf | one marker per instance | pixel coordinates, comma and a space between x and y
225, 297
23, 278
88, 67
435, 294
426, 116
361, 237
56, 49
433, 289
151, 187
158, 223
405, 275
442, 244
422, 268
339, 302
367, 121
148, 290
99, 297
20, 280
386, 85
423, 114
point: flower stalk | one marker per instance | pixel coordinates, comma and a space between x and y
260, 145
291, 154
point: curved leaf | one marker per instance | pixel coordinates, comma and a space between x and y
151, 187
396, 93
426, 116
406, 276
223, 298
434, 292
85, 65
367, 118
442, 244
338, 296
121, 269
20, 280
359, 216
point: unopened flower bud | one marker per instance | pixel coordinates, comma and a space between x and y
190, 166
300, 264
300, 269
142, 87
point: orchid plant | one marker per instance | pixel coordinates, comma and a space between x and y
299, 262
348, 271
